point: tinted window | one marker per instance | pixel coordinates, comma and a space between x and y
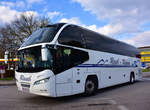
30, 60
42, 35
103, 43
67, 58
72, 36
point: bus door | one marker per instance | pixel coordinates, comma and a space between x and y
64, 83
79, 75
63, 72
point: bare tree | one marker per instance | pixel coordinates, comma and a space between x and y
14, 34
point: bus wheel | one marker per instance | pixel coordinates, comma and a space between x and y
90, 86
132, 78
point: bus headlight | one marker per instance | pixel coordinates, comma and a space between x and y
42, 81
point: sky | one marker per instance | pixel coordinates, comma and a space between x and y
125, 20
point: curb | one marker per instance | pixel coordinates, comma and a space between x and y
9, 83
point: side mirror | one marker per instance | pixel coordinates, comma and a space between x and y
44, 53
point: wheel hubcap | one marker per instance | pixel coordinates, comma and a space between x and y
89, 86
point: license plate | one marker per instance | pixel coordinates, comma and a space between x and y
24, 89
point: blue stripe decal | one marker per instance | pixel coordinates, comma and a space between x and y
104, 66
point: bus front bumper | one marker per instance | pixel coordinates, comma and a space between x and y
42, 83
44, 89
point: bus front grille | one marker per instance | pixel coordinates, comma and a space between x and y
25, 85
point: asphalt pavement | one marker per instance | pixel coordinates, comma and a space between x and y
121, 97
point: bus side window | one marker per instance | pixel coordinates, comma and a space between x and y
58, 63
78, 57
67, 58
74, 57
73, 36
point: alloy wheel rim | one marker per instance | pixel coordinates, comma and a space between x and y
90, 86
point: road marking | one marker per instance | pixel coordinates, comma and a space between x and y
99, 99
105, 101
122, 107
113, 102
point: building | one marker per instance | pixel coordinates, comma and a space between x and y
145, 56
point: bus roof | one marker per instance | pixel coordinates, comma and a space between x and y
94, 41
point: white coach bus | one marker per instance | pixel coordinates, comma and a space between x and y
64, 59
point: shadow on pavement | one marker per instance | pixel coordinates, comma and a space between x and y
41, 100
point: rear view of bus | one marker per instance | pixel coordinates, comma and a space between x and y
63, 59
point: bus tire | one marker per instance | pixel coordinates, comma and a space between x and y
132, 78
91, 86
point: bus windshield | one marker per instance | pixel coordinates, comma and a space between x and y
30, 60
42, 35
